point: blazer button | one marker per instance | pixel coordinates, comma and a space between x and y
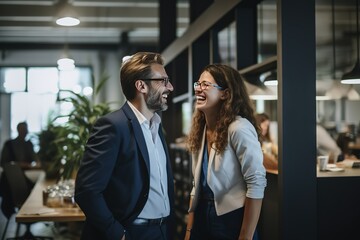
145, 195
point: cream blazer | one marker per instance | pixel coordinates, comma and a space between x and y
235, 174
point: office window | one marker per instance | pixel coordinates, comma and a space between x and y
35, 91
12, 80
227, 45
43, 80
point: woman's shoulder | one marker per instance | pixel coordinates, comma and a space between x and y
240, 122
241, 125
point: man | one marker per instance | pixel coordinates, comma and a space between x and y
19, 149
124, 184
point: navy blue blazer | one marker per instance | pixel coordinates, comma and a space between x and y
112, 184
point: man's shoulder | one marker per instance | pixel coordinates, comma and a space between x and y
8, 142
117, 118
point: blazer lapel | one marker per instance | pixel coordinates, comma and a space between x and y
138, 134
199, 159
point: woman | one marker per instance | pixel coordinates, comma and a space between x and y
269, 148
263, 121
229, 177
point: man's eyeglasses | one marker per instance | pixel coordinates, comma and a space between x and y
164, 80
205, 85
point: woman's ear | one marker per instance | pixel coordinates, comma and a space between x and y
141, 86
225, 94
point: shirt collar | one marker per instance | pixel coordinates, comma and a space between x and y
141, 118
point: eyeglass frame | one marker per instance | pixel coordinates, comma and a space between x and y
207, 84
166, 80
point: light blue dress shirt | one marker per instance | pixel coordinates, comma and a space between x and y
157, 205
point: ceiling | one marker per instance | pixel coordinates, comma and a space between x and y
31, 24
102, 22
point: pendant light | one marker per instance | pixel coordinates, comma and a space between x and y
271, 79
66, 14
353, 77
65, 63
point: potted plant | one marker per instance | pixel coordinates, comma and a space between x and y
65, 144
48, 153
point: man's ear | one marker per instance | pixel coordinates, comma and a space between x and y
141, 86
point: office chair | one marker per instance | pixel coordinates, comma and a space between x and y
16, 190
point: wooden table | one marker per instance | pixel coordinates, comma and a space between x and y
33, 209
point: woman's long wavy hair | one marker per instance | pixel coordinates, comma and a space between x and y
237, 104
260, 118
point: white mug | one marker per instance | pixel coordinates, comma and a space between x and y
323, 162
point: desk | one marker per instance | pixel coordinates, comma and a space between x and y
338, 208
33, 209
33, 174
348, 172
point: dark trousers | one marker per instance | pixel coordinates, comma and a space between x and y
133, 232
146, 232
208, 226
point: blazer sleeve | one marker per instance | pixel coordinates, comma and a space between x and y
93, 176
245, 143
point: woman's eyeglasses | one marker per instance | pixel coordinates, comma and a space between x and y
205, 85
164, 80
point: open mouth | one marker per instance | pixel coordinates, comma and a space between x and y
165, 96
200, 99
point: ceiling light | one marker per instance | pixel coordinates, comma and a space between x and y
353, 77
66, 15
257, 93
271, 79
65, 64
67, 21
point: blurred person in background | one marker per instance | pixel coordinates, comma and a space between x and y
343, 141
19, 150
270, 149
326, 145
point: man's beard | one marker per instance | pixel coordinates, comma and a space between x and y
154, 101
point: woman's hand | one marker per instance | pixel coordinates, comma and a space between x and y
187, 234
190, 222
